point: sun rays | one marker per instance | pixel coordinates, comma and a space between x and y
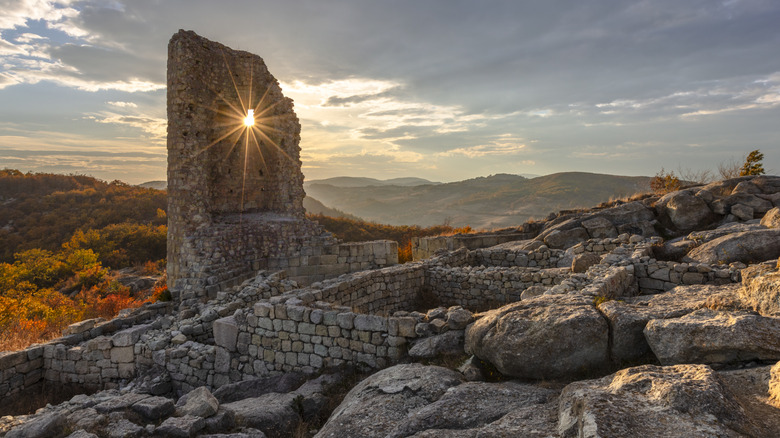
247, 125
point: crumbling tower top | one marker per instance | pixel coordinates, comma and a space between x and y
217, 165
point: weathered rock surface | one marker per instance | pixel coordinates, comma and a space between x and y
282, 383
747, 247
761, 288
652, 401
383, 401
710, 336
629, 316
685, 210
419, 406
543, 338
51, 425
199, 403
272, 413
772, 218
450, 342
483, 409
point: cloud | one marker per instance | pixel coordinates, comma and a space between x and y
123, 104
16, 13
505, 144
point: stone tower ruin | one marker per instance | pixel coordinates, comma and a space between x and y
235, 193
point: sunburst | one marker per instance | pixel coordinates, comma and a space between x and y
244, 121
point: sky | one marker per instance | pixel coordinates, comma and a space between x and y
439, 89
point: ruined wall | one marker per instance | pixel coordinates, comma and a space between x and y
235, 193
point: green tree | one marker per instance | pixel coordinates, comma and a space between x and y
753, 164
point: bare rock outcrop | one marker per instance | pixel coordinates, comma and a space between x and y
629, 316
652, 401
709, 336
383, 401
432, 402
746, 247
542, 338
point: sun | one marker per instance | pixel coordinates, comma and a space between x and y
249, 120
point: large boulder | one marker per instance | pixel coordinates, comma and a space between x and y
552, 336
383, 401
685, 210
629, 316
562, 239
709, 336
630, 213
746, 247
651, 401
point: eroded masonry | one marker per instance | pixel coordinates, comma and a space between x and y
235, 191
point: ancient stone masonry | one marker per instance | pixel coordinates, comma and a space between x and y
235, 192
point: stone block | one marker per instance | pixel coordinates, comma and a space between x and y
372, 323
129, 336
346, 320
122, 354
226, 333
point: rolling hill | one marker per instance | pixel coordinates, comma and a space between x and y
487, 202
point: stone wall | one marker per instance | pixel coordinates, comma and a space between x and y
425, 247
479, 289
93, 353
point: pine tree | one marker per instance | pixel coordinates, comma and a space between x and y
753, 164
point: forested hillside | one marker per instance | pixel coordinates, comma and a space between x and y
45, 210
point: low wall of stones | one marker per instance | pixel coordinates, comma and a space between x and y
655, 276
106, 357
479, 289
426, 247
335, 260
542, 257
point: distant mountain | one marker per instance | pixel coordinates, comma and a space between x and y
487, 202
159, 185
349, 181
314, 206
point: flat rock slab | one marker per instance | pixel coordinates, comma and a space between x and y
746, 247
120, 403
272, 413
46, 426
382, 402
154, 408
710, 337
283, 383
549, 337
180, 427
629, 316
481, 409
651, 401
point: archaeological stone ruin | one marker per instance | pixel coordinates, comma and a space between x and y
657, 316
235, 194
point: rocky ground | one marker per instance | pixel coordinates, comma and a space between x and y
696, 360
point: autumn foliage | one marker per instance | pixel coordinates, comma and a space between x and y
60, 235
